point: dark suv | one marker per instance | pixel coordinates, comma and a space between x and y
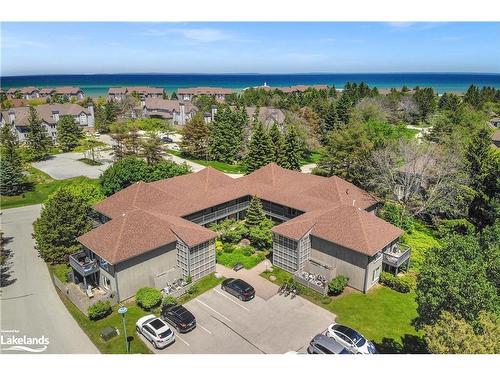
239, 289
179, 317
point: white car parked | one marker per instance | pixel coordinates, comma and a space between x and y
155, 330
351, 339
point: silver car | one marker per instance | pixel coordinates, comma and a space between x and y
322, 344
155, 330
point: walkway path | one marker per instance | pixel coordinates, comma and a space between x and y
29, 304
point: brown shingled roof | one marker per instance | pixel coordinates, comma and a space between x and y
334, 210
137, 232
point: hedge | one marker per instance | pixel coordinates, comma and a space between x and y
148, 298
337, 285
99, 310
397, 283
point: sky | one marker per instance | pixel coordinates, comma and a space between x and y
338, 47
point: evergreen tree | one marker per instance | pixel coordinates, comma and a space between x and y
174, 96
483, 166
473, 97
195, 137
345, 152
292, 150
426, 101
64, 217
278, 145
12, 181
255, 213
343, 108
260, 151
37, 138
330, 119
69, 133
226, 134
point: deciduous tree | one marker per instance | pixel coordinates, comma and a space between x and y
195, 136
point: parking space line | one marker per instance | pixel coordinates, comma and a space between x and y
204, 304
184, 341
203, 328
229, 298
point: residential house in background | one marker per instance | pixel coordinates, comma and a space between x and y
153, 233
190, 93
175, 111
69, 92
301, 88
143, 92
17, 118
267, 115
47, 92
29, 92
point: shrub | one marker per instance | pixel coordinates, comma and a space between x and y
398, 284
337, 285
193, 290
247, 250
148, 298
455, 226
228, 248
99, 310
219, 246
169, 300
189, 279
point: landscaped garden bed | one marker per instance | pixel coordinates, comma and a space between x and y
234, 254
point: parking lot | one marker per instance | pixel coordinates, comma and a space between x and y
227, 325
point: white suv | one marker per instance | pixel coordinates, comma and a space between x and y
350, 339
155, 330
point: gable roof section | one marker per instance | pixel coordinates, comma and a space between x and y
137, 232
344, 225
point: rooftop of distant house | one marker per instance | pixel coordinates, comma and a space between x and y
204, 91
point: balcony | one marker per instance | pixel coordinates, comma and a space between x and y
82, 264
397, 256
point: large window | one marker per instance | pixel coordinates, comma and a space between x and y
376, 273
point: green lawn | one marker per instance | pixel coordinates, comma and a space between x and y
382, 315
237, 256
312, 158
420, 240
117, 344
223, 167
43, 186
60, 271
201, 286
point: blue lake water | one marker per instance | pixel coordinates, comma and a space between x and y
98, 84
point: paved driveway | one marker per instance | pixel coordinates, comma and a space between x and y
66, 165
29, 304
227, 325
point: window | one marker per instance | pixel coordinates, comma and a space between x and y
376, 274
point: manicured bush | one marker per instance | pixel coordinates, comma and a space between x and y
337, 285
169, 300
219, 246
396, 283
99, 310
148, 298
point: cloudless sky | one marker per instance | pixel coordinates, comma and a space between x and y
65, 48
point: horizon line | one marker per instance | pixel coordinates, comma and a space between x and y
247, 73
